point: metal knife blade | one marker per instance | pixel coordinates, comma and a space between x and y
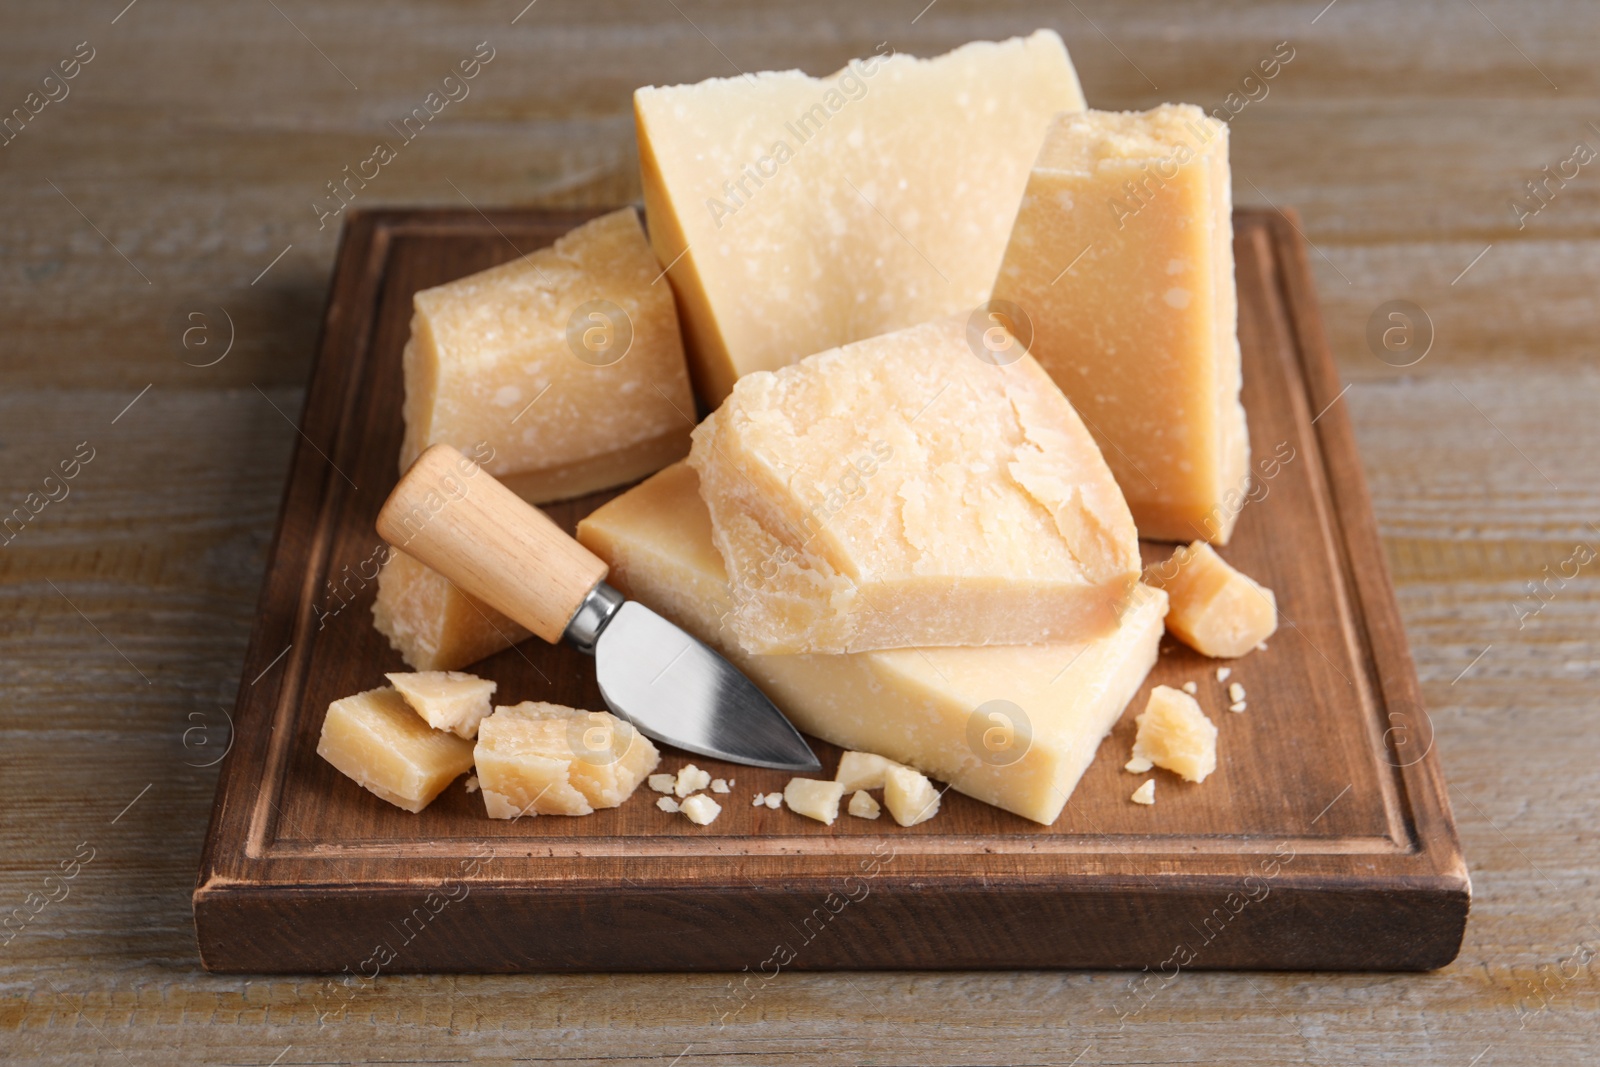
677, 690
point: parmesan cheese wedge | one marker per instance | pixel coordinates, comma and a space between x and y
798, 213
546, 759
376, 740
431, 622
446, 700
900, 492
1122, 263
657, 540
565, 366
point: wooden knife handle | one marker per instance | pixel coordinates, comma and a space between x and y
452, 515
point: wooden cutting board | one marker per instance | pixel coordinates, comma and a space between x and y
1324, 839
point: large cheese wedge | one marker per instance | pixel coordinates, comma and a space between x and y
800, 213
1014, 726
902, 492
561, 370
1122, 264
431, 622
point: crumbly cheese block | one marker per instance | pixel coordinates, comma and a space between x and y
565, 364
431, 622
1122, 262
909, 796
376, 740
915, 706
545, 759
1215, 609
861, 770
900, 492
446, 700
800, 213
1175, 734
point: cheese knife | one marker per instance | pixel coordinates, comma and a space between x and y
453, 516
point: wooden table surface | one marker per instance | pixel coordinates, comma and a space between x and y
173, 185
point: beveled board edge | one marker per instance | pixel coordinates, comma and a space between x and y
1424, 879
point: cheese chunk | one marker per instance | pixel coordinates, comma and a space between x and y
446, 700
861, 770
1176, 735
566, 363
915, 706
375, 739
800, 213
813, 798
700, 809
1145, 794
863, 806
432, 623
1122, 263
1215, 609
545, 759
909, 796
900, 492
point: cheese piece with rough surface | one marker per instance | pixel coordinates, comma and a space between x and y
813, 798
861, 770
700, 809
798, 213
431, 622
376, 740
916, 706
446, 700
863, 806
1215, 609
563, 367
1122, 262
545, 759
909, 796
1176, 735
900, 492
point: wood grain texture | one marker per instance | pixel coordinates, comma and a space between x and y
196, 141
1323, 841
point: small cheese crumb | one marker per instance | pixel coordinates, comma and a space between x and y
1262, 647
909, 796
731, 782
1145, 794
813, 798
1235, 692
758, 800
1137, 765
472, 783
700, 809
690, 779
773, 800
862, 806
1237, 705
1190, 688
662, 783
719, 785
1223, 672
666, 804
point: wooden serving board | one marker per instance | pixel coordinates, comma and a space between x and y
1324, 839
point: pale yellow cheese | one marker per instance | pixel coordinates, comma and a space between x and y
1145, 794
900, 492
863, 806
546, 759
700, 809
814, 799
432, 623
446, 700
1176, 735
909, 796
916, 706
376, 740
562, 370
800, 213
861, 770
1215, 609
1122, 263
